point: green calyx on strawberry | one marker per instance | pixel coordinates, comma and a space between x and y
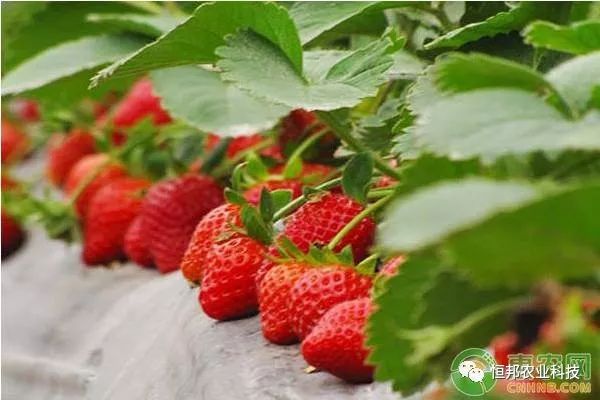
327, 279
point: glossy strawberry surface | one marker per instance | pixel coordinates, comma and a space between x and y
319, 289
336, 344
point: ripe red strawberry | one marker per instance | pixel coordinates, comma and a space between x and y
26, 110
319, 289
15, 144
228, 288
266, 264
83, 170
336, 344
274, 295
110, 213
212, 225
136, 244
12, 235
296, 125
140, 102
319, 220
241, 143
171, 212
64, 151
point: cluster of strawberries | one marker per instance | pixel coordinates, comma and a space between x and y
16, 145
302, 290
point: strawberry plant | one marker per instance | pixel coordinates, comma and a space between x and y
388, 182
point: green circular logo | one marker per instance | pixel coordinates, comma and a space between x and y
472, 372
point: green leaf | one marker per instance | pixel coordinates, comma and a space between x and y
256, 168
315, 19
555, 237
66, 60
201, 99
429, 169
575, 79
406, 66
194, 41
255, 225
579, 38
151, 25
256, 65
503, 22
414, 334
501, 233
234, 197
459, 72
423, 93
31, 27
280, 198
357, 177
429, 215
217, 155
265, 205
492, 123
293, 167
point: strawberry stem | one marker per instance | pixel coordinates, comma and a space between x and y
357, 219
345, 135
294, 204
309, 141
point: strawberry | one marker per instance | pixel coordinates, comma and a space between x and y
211, 226
228, 288
26, 110
12, 235
319, 220
273, 294
319, 289
336, 344
266, 264
15, 144
97, 165
64, 151
171, 212
136, 244
298, 125
140, 102
241, 143
111, 211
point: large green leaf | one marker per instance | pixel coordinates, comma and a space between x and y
195, 40
431, 214
29, 28
413, 333
201, 99
316, 18
502, 22
151, 25
492, 123
579, 38
555, 237
458, 72
501, 233
576, 79
257, 65
66, 60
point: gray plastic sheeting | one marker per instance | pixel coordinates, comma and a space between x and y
71, 332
